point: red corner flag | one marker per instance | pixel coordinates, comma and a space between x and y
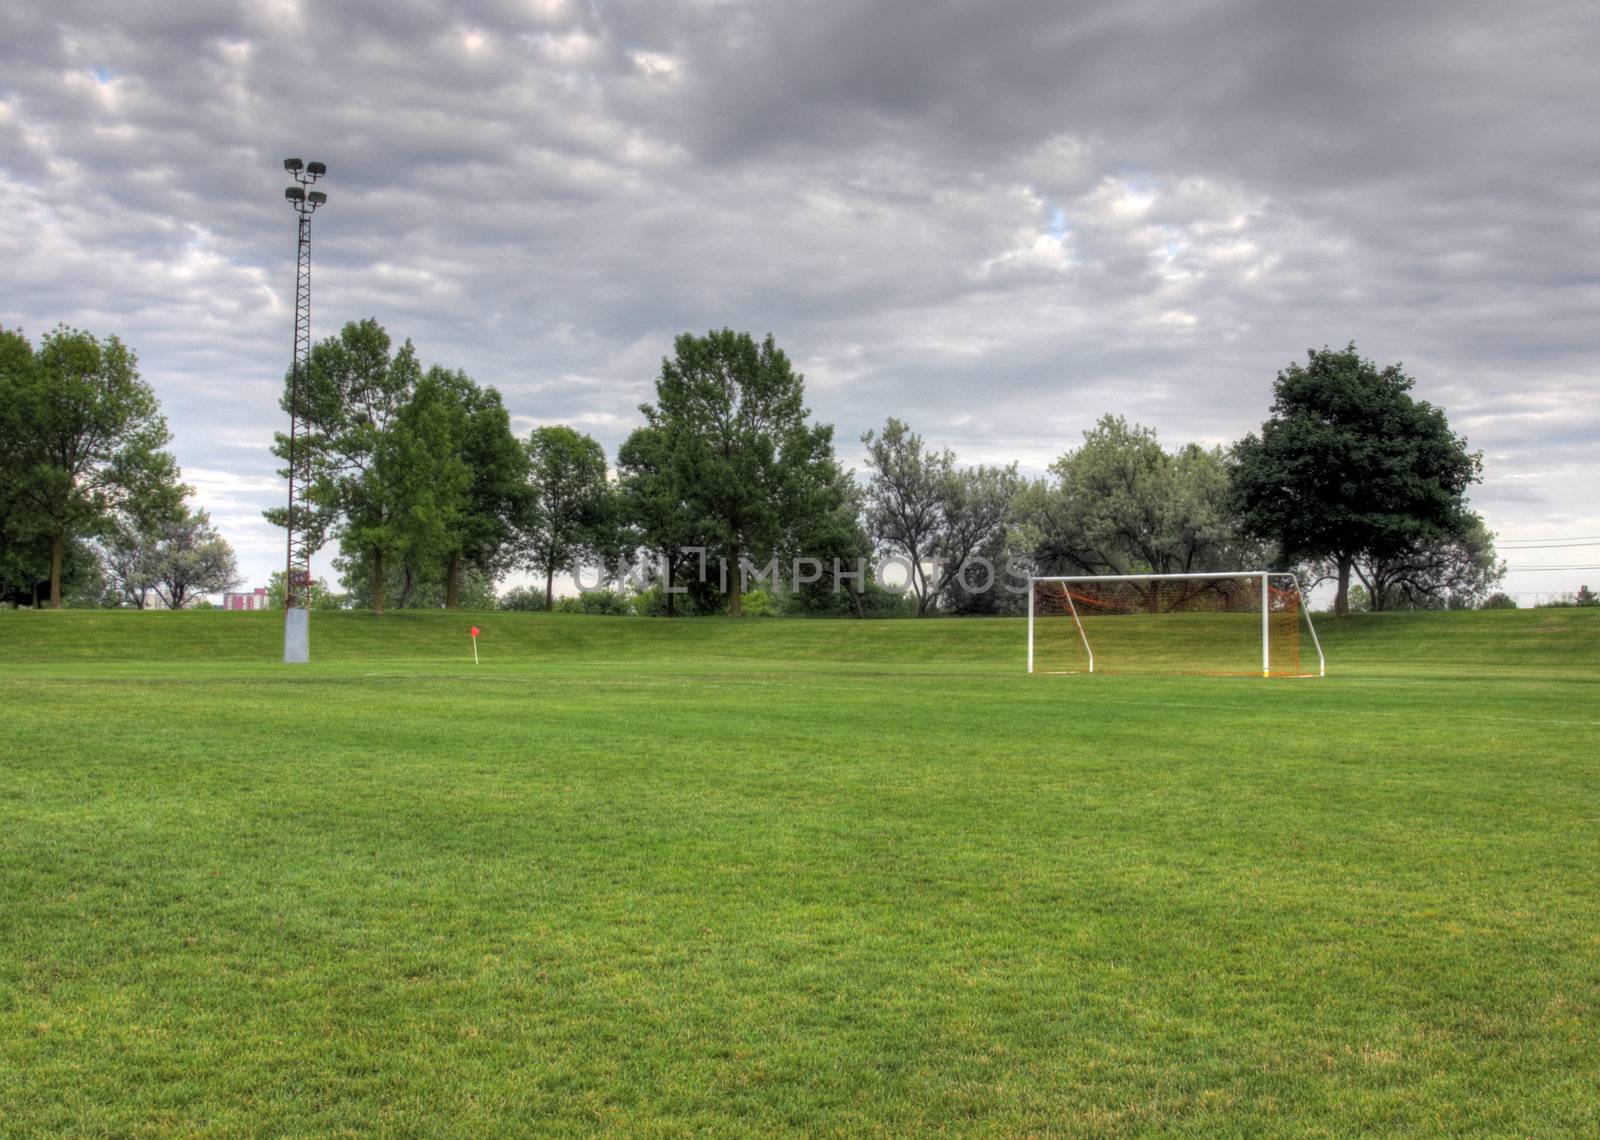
474, 631
474, 645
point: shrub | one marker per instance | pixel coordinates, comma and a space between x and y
521, 598
607, 603
1498, 601
759, 603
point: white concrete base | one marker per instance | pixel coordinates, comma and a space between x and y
296, 636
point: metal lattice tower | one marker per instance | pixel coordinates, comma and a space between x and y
297, 574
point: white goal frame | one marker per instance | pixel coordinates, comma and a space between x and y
1265, 575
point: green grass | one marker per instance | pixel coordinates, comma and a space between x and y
722, 877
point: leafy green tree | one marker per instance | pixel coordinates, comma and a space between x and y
979, 512
492, 499
24, 558
408, 586
1434, 572
907, 489
826, 533
85, 442
351, 397
940, 518
568, 512
386, 475
429, 472
1349, 466
743, 456
177, 560
1123, 504
322, 597
128, 556
189, 559
651, 499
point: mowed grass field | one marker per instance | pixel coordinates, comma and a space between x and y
814, 877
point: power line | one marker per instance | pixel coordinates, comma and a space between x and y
1547, 546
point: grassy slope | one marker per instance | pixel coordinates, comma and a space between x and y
1501, 640
657, 877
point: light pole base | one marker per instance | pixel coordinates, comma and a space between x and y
296, 636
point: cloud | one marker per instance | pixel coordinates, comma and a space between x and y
997, 221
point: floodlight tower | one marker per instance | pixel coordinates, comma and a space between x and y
297, 575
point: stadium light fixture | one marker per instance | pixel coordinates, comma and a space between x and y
297, 575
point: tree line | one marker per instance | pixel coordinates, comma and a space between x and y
729, 496
729, 484
92, 503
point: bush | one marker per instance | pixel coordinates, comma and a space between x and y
759, 603
521, 599
1498, 602
606, 603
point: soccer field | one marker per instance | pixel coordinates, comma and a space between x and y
722, 877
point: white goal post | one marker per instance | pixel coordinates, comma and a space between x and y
1218, 611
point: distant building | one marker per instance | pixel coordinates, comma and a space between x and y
239, 600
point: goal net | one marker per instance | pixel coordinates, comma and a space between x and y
1240, 623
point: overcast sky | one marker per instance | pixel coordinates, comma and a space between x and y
994, 220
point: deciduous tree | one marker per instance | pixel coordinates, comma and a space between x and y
567, 510
907, 487
492, 499
743, 454
1122, 504
386, 474
86, 442
653, 502
1454, 571
189, 559
1349, 467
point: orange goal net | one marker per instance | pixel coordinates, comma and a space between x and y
1245, 623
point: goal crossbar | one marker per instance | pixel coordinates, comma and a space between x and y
1264, 576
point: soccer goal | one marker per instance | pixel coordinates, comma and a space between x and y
1240, 623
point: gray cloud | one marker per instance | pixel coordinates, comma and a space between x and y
997, 221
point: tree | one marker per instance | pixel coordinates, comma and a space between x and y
322, 595
743, 456
650, 498
978, 511
1123, 504
905, 502
86, 441
128, 554
190, 559
1350, 466
827, 529
938, 517
385, 475
567, 509
492, 499
1453, 571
